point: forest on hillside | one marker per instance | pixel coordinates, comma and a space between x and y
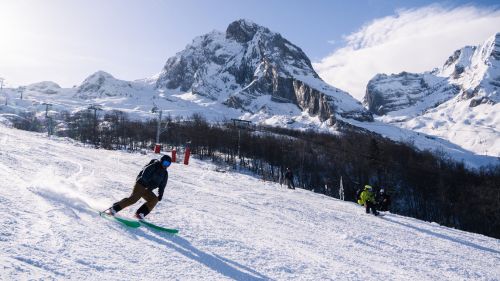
425, 185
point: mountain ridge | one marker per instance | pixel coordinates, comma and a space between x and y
249, 61
458, 102
247, 72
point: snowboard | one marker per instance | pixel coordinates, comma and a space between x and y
137, 223
158, 228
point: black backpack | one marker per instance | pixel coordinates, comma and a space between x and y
150, 162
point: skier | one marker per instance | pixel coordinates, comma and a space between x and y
367, 198
153, 175
384, 201
289, 178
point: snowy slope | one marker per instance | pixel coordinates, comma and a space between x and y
458, 102
136, 98
139, 97
232, 226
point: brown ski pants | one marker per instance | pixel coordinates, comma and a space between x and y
138, 192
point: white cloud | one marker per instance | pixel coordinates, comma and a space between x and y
414, 40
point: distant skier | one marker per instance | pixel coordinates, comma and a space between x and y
367, 198
153, 175
384, 201
289, 178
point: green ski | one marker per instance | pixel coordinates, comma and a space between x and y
127, 222
159, 228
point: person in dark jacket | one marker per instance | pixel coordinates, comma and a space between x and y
154, 175
289, 178
384, 200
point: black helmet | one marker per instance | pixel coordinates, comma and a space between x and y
167, 159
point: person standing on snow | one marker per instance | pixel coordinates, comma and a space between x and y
367, 198
384, 200
289, 178
154, 175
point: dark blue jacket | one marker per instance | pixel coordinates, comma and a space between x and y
153, 176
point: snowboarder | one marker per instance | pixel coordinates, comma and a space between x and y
367, 198
289, 178
153, 175
384, 201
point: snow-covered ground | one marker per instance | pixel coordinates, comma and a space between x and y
186, 104
424, 141
232, 226
474, 129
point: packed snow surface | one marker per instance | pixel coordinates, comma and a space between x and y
232, 226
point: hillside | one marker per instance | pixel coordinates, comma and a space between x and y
232, 226
250, 72
458, 102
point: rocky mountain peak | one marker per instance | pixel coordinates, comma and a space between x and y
243, 30
250, 65
470, 73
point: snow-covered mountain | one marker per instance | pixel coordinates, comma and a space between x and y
253, 69
247, 72
458, 102
232, 226
408, 92
46, 87
102, 84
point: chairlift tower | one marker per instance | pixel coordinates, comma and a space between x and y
95, 108
155, 109
240, 124
159, 129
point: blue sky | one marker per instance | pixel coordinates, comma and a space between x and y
65, 41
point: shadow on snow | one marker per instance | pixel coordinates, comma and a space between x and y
217, 263
442, 236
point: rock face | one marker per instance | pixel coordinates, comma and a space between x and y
388, 93
247, 64
477, 71
471, 73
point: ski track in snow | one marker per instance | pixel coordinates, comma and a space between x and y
232, 226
